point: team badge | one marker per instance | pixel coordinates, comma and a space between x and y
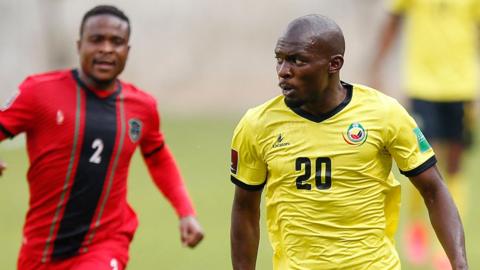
356, 134
135, 129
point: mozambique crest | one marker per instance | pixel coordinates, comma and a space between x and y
356, 134
134, 129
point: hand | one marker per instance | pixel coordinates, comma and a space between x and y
191, 232
3, 166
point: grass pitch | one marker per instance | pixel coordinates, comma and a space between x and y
202, 148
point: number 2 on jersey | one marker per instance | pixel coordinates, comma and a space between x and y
323, 173
96, 158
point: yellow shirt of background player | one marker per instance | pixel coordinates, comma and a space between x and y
441, 48
332, 201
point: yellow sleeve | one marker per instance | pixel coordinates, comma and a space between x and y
399, 6
406, 143
248, 169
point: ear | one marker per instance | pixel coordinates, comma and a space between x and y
336, 63
78, 45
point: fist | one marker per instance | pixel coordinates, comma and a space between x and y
191, 233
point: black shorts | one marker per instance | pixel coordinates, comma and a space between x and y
442, 121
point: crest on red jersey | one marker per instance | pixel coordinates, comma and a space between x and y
134, 129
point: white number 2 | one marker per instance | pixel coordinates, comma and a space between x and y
98, 146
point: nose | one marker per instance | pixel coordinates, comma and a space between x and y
284, 70
106, 47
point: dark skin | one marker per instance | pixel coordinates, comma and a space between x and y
310, 56
308, 69
103, 50
443, 215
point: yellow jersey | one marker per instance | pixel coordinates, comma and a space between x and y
332, 201
441, 48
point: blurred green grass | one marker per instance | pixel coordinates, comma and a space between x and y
201, 146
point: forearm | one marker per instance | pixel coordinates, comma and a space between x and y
447, 225
387, 35
167, 178
245, 235
245, 230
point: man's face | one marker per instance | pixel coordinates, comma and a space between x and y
103, 47
302, 69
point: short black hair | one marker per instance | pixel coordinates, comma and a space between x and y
104, 10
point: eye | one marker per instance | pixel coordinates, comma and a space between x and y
95, 38
279, 59
118, 41
299, 62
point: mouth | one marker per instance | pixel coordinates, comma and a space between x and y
287, 89
104, 64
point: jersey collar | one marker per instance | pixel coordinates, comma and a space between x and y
99, 93
325, 116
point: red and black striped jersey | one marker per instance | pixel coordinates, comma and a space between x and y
80, 142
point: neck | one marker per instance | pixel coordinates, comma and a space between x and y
95, 84
328, 100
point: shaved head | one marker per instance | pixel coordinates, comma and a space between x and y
319, 31
309, 58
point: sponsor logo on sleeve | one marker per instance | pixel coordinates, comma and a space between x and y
421, 140
234, 162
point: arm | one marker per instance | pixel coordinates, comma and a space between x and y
388, 34
443, 215
245, 231
166, 176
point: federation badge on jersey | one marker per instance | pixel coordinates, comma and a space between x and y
10, 101
356, 134
134, 129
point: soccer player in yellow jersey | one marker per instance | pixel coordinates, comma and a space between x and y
441, 69
323, 153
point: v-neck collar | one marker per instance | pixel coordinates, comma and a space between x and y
102, 94
327, 115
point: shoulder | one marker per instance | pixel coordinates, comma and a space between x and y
371, 97
131, 91
47, 78
259, 116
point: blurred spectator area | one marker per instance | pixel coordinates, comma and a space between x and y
194, 56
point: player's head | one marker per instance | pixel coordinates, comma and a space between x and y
309, 58
103, 45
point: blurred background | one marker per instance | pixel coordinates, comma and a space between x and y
206, 62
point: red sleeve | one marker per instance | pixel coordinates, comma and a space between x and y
164, 170
17, 114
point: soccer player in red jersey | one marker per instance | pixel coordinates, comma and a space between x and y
82, 128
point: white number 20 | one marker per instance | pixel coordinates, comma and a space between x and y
98, 146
